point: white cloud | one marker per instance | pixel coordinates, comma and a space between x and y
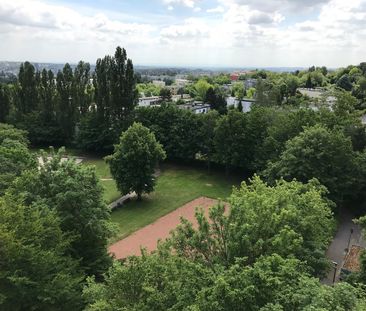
277, 5
187, 3
47, 32
192, 28
218, 9
39, 15
260, 32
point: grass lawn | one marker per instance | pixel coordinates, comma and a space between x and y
111, 193
175, 186
110, 189
101, 167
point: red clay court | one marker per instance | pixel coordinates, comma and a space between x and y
159, 230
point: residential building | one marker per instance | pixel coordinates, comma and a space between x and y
197, 107
246, 103
148, 101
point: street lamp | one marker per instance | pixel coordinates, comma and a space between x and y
335, 265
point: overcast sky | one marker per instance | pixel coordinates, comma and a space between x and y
236, 33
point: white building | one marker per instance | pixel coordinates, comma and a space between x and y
148, 101
246, 102
185, 97
196, 107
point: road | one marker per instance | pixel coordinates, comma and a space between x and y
342, 239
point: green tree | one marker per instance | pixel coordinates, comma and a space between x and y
231, 140
176, 129
240, 106
275, 284
134, 160
239, 90
290, 219
14, 159
82, 89
201, 87
155, 282
66, 110
8, 131
4, 102
26, 90
116, 96
308, 83
73, 191
345, 83
208, 122
36, 271
320, 153
165, 94
216, 100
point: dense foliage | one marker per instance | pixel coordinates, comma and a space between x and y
251, 258
36, 272
134, 160
75, 194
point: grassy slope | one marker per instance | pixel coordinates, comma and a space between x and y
175, 187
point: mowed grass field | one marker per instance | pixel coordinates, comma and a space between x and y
175, 186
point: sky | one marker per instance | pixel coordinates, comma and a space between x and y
197, 33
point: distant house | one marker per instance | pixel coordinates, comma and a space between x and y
312, 93
317, 95
197, 107
185, 97
148, 101
234, 77
246, 102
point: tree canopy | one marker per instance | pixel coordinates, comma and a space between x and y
75, 194
134, 160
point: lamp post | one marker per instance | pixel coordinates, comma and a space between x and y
335, 265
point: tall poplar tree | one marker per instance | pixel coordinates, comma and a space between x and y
66, 107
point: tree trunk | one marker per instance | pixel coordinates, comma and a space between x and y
139, 197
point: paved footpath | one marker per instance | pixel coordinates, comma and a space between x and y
149, 235
338, 248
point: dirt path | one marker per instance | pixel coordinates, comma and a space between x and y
148, 236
